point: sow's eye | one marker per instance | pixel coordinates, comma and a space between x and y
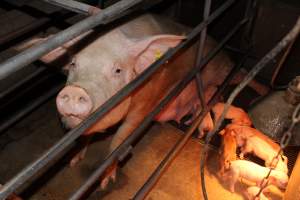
70, 66
117, 70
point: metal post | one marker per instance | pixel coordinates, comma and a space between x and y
28, 56
75, 6
200, 51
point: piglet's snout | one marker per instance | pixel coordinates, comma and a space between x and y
73, 101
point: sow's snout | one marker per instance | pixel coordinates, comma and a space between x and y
74, 105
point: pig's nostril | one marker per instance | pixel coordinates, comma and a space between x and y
82, 100
65, 97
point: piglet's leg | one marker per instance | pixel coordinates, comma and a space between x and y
84, 142
233, 180
206, 125
246, 148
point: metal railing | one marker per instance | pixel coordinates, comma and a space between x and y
105, 16
75, 6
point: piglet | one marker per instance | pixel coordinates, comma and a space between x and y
252, 191
254, 173
228, 152
253, 141
235, 114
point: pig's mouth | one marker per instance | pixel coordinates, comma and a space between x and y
71, 121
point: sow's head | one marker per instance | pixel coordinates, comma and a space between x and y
101, 69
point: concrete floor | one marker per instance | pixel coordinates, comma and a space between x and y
31, 137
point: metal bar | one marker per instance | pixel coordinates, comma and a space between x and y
36, 103
101, 4
115, 155
32, 169
6, 101
75, 6
250, 12
28, 56
141, 194
281, 62
29, 27
259, 66
200, 51
23, 81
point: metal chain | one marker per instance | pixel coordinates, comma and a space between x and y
283, 144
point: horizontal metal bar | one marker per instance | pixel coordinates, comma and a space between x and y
145, 189
138, 132
23, 81
32, 169
33, 105
75, 6
23, 30
28, 56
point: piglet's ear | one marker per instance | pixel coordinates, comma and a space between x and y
148, 50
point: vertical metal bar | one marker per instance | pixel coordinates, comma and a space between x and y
250, 13
101, 4
145, 189
75, 6
200, 51
178, 7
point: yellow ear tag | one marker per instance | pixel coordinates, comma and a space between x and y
158, 54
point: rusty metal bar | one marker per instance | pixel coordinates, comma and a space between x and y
75, 6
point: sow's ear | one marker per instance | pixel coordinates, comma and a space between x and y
61, 54
49, 57
146, 51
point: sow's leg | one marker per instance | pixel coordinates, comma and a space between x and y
84, 142
127, 127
